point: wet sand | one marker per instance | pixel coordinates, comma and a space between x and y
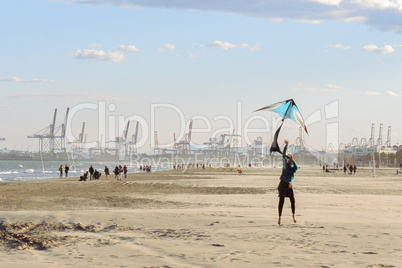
201, 218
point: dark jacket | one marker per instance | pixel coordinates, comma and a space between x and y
288, 171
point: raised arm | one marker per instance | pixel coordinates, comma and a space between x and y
285, 150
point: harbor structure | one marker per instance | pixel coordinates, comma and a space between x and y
52, 138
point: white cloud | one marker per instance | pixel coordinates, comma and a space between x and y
328, 2
226, 45
359, 19
392, 94
332, 86
376, 93
380, 14
257, 4
379, 4
370, 48
331, 89
328, 89
129, 48
94, 45
383, 50
372, 93
12, 79
222, 45
98, 55
308, 21
33, 80
120, 3
167, 48
38, 80
387, 49
340, 46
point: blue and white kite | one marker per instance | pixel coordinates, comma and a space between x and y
286, 109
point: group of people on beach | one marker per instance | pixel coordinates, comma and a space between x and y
95, 174
352, 169
146, 168
66, 169
118, 171
190, 165
346, 167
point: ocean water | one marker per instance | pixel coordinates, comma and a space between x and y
21, 170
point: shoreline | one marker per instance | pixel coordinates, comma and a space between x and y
361, 171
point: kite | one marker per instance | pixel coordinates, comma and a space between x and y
287, 110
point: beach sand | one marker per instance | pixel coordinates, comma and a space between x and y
201, 218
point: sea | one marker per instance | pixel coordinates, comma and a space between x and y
26, 170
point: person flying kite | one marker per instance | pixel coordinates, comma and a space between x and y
286, 109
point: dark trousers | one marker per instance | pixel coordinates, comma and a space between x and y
282, 201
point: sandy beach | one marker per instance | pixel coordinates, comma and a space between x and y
198, 218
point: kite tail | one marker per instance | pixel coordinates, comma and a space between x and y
275, 145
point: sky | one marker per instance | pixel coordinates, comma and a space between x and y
164, 63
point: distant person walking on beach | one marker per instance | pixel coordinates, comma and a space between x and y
120, 172
61, 171
116, 172
91, 173
66, 169
125, 170
285, 187
107, 173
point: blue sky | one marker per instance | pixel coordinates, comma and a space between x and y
202, 57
